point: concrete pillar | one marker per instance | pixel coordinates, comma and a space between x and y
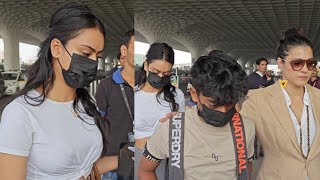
108, 64
102, 64
242, 63
253, 64
115, 62
193, 59
273, 61
195, 54
254, 67
249, 67
11, 52
150, 38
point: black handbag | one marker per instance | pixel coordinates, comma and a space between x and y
125, 162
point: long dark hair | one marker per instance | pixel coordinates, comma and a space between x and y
159, 51
292, 37
64, 25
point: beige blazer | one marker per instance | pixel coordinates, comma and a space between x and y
282, 156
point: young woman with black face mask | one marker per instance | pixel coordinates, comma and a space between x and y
52, 129
155, 96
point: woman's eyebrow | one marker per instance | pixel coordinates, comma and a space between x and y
92, 49
159, 70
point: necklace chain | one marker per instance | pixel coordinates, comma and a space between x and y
308, 135
75, 114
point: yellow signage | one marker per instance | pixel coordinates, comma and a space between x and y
283, 83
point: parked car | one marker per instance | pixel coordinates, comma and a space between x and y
13, 82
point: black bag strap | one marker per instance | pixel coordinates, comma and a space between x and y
125, 97
176, 147
240, 146
126, 101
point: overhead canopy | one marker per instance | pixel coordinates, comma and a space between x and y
246, 30
29, 19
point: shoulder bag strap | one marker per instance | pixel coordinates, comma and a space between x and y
126, 101
240, 147
176, 147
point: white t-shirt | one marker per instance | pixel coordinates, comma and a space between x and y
58, 144
209, 152
148, 111
303, 126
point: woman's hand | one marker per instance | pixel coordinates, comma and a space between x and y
168, 116
107, 164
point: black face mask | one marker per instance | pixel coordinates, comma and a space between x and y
216, 118
82, 71
156, 81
